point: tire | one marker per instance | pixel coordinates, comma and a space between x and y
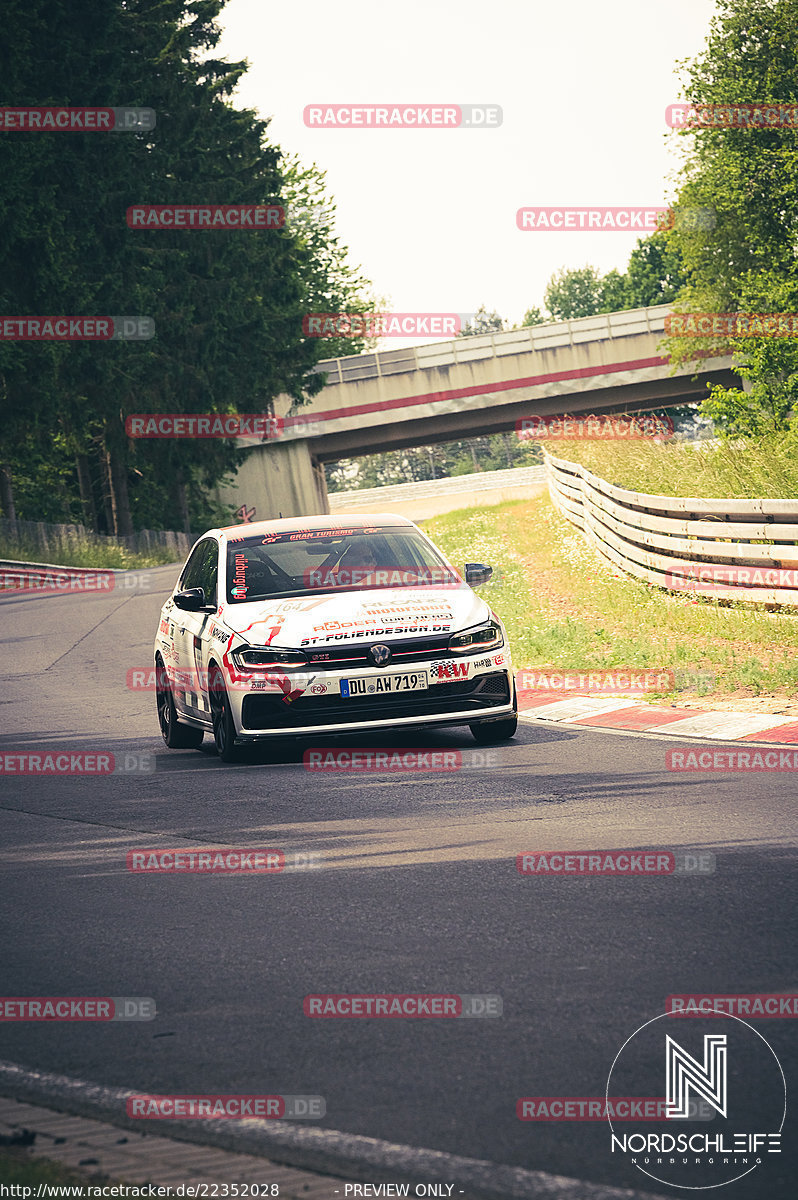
224, 732
486, 732
175, 735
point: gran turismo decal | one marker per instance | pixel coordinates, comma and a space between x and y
312, 534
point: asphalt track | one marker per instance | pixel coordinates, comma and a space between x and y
417, 892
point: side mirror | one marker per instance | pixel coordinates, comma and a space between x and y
476, 574
192, 600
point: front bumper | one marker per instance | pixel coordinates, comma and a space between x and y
258, 715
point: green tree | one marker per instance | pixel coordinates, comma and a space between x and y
331, 284
573, 292
655, 274
533, 316
612, 292
482, 322
743, 260
228, 306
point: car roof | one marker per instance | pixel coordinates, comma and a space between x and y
320, 521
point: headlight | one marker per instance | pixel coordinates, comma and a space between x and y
268, 660
486, 637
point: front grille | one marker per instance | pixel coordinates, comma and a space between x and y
352, 653
270, 712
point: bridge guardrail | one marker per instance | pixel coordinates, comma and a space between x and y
494, 345
732, 549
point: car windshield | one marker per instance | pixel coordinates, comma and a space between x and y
332, 560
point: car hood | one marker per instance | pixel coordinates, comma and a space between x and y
323, 620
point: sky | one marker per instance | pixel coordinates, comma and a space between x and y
430, 214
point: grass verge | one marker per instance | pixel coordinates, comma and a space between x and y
84, 553
564, 607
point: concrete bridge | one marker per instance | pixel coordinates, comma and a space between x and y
447, 391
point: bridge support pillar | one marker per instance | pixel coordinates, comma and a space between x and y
280, 477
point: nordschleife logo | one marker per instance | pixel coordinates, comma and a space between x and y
719, 1060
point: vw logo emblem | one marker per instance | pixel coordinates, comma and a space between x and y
379, 655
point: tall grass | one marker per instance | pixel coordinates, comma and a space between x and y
82, 552
756, 468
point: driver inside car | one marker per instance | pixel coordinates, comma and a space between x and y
355, 565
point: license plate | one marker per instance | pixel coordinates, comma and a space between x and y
374, 685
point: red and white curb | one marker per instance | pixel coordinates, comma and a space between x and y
621, 713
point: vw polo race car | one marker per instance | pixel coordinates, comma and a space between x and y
328, 625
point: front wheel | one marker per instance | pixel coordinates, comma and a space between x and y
175, 735
224, 732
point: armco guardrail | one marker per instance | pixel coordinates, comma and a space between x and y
482, 481
730, 549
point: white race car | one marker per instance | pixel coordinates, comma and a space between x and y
326, 625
